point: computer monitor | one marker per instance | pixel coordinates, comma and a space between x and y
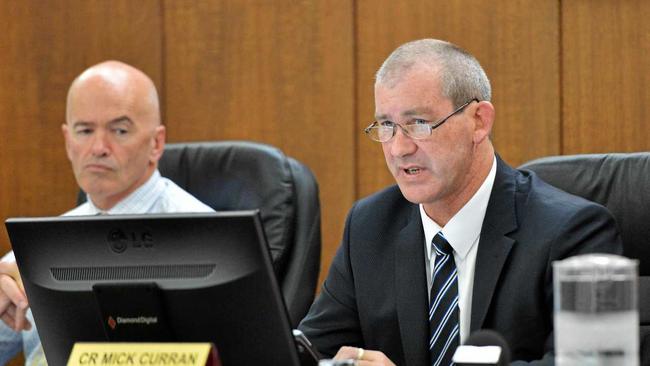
174, 277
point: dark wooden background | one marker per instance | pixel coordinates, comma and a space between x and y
568, 76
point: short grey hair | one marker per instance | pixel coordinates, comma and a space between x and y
461, 76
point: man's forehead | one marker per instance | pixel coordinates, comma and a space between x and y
415, 110
106, 74
97, 110
410, 96
120, 120
100, 101
97, 89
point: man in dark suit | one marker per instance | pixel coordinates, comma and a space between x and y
463, 242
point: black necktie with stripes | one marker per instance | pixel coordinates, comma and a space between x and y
444, 336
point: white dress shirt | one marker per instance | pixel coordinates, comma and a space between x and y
462, 232
156, 195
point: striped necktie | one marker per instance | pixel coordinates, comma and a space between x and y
443, 304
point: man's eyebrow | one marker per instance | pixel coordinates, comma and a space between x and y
121, 119
379, 117
408, 113
82, 123
417, 111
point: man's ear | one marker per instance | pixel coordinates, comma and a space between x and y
158, 142
66, 137
483, 121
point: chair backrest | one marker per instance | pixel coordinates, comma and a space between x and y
618, 181
239, 175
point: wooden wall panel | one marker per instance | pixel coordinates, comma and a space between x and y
278, 72
605, 78
44, 45
517, 43
299, 75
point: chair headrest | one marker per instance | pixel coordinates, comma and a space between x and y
238, 175
618, 181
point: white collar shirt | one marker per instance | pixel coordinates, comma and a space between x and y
462, 232
156, 195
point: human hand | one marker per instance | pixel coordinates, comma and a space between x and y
363, 357
13, 301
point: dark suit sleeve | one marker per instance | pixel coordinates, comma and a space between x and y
333, 320
591, 229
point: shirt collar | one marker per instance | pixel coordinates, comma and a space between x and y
464, 228
138, 202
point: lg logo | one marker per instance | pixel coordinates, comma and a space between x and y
119, 240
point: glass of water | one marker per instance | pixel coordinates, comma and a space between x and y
596, 313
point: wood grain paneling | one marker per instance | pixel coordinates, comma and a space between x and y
278, 72
605, 78
45, 44
517, 43
299, 75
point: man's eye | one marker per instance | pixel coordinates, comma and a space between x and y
120, 131
419, 121
83, 131
387, 124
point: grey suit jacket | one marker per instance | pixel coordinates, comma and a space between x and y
375, 295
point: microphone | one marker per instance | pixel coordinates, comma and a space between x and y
483, 347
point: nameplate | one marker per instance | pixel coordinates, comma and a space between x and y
144, 354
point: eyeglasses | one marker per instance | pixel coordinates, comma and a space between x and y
417, 129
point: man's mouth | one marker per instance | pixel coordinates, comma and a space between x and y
97, 167
412, 171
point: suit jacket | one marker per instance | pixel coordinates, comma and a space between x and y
375, 295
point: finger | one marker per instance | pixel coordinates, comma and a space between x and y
8, 319
11, 269
4, 302
12, 289
16, 318
373, 355
19, 316
346, 353
20, 319
373, 358
11, 311
17, 307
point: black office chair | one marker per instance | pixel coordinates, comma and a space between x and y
619, 182
238, 175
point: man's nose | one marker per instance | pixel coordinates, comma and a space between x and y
100, 144
402, 144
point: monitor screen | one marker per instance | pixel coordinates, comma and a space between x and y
173, 277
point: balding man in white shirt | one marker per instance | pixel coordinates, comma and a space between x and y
113, 138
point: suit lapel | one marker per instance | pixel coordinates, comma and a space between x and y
494, 246
411, 288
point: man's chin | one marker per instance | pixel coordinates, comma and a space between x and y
96, 187
414, 195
